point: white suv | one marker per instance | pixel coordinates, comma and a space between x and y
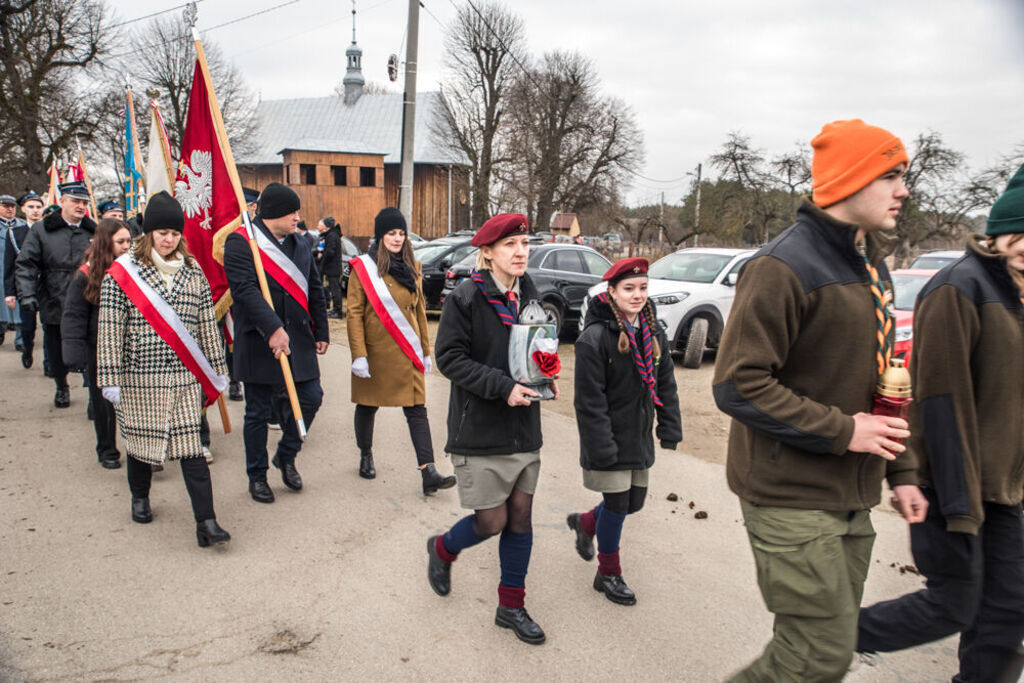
693, 290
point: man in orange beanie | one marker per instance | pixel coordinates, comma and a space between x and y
809, 334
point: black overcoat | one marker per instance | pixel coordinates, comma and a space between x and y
15, 239
255, 321
51, 253
472, 351
330, 264
78, 326
614, 409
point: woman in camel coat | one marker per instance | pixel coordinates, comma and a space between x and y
383, 375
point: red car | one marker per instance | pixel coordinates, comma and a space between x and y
907, 284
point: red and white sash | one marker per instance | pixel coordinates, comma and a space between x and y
159, 314
281, 268
386, 308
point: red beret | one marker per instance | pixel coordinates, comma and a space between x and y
502, 225
627, 267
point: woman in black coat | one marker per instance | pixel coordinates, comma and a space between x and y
624, 375
79, 323
331, 262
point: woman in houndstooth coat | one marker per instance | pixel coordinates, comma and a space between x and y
157, 399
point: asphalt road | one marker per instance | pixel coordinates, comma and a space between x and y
329, 583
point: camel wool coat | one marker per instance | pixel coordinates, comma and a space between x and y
394, 380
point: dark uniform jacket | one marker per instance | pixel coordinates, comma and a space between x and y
966, 428
797, 360
614, 409
51, 253
16, 235
255, 321
472, 351
78, 326
330, 264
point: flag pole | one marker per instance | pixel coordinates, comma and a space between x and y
261, 275
164, 142
85, 177
136, 153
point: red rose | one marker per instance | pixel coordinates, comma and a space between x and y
549, 363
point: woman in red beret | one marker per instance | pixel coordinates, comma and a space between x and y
493, 425
622, 361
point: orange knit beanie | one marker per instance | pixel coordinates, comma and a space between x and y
849, 155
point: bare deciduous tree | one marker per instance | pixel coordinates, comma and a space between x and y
48, 48
481, 54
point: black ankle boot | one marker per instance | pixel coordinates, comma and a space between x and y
141, 512
366, 470
209, 532
434, 480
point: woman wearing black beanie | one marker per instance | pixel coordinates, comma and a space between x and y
387, 332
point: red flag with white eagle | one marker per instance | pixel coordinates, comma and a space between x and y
207, 185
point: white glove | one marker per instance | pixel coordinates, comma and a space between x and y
112, 394
361, 367
428, 365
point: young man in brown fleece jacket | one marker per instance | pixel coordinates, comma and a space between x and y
809, 333
969, 445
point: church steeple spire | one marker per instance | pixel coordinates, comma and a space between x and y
353, 80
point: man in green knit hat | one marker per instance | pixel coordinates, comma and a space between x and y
968, 443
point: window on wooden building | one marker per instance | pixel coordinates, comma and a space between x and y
307, 174
367, 176
340, 175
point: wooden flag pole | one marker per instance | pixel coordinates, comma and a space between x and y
261, 275
224, 417
164, 142
85, 177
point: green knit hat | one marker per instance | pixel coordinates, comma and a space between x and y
1007, 214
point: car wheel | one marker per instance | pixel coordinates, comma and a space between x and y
553, 315
695, 341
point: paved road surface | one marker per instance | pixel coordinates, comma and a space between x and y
329, 583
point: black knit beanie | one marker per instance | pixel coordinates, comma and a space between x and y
163, 212
387, 220
277, 200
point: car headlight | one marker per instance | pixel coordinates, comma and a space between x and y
903, 334
669, 299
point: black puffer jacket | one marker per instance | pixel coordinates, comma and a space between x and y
78, 326
472, 351
330, 263
51, 253
614, 410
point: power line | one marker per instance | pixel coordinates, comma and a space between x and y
154, 14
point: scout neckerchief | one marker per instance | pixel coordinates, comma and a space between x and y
508, 313
883, 313
387, 309
166, 323
279, 267
643, 352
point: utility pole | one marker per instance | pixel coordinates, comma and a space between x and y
661, 221
696, 214
409, 113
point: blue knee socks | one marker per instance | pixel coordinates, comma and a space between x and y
609, 530
514, 554
461, 536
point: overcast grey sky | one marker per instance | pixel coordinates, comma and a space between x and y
692, 71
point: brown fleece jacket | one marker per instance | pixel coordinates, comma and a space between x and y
797, 360
967, 365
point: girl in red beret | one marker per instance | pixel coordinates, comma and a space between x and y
494, 435
622, 361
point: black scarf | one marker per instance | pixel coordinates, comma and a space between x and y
398, 269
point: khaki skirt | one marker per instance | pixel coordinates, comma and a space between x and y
615, 481
486, 481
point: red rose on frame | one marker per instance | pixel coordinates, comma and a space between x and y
549, 363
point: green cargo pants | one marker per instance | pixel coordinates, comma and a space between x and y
811, 567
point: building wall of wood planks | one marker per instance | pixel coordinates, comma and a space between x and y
355, 205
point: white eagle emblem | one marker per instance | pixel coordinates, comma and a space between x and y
194, 187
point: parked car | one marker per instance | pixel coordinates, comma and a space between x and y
349, 250
935, 259
545, 235
414, 239
693, 290
563, 239
437, 257
562, 274
612, 240
907, 284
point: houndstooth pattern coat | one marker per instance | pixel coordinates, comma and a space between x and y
161, 401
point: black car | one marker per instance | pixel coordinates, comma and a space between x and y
437, 257
562, 274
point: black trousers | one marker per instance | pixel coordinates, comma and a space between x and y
974, 586
419, 430
196, 473
334, 283
104, 420
55, 355
28, 330
259, 398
